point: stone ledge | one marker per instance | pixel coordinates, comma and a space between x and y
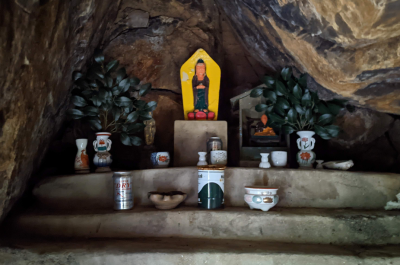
311, 226
189, 251
298, 188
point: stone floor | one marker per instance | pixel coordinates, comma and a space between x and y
188, 251
288, 225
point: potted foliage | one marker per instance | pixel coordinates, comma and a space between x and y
109, 100
292, 107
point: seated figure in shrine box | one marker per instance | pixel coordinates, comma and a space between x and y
262, 129
200, 77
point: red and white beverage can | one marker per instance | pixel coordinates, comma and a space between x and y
123, 194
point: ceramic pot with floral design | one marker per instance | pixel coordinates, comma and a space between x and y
81, 159
305, 157
160, 159
102, 159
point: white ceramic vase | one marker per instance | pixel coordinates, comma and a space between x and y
264, 161
81, 159
305, 157
202, 159
102, 159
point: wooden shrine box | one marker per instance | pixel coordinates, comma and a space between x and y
190, 137
249, 149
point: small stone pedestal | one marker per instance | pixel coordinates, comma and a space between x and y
190, 137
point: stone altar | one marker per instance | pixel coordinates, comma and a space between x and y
190, 137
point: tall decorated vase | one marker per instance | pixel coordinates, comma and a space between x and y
102, 159
305, 157
81, 159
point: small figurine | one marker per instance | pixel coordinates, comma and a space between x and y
150, 130
262, 129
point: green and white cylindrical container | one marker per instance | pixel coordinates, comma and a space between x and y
211, 186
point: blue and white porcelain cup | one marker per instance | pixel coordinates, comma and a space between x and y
160, 159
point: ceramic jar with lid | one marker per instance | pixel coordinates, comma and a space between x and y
211, 186
213, 144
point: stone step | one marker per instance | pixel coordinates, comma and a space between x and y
289, 225
297, 188
189, 251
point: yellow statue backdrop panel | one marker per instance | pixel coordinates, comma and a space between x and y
200, 78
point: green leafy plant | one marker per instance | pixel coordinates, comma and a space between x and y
109, 100
291, 106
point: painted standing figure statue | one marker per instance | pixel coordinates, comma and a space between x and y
201, 85
200, 78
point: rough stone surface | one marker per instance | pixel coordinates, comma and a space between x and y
41, 43
180, 251
310, 226
176, 30
394, 134
297, 188
361, 127
349, 48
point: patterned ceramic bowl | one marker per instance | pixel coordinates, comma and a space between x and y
160, 159
261, 197
260, 190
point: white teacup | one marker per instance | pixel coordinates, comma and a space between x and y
219, 157
279, 158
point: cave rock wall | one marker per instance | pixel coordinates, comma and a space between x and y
350, 48
41, 43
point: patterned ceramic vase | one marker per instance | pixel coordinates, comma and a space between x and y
305, 157
81, 158
160, 159
102, 159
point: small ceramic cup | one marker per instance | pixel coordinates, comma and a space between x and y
319, 164
219, 157
279, 158
160, 159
